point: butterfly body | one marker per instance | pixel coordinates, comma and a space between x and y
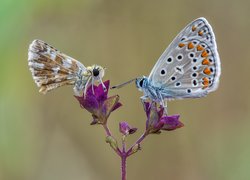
159, 93
51, 69
188, 68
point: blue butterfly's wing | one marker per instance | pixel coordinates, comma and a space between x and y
190, 66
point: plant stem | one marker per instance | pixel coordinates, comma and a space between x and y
124, 158
129, 152
108, 133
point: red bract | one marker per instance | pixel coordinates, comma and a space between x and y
98, 103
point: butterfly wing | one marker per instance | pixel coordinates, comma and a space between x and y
50, 68
190, 66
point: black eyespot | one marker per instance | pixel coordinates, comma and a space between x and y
195, 82
191, 55
179, 57
179, 69
188, 90
95, 72
173, 78
210, 60
163, 72
211, 69
208, 51
141, 82
169, 59
182, 39
195, 42
194, 60
178, 84
194, 74
194, 68
203, 45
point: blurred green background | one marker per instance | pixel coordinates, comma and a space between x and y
49, 137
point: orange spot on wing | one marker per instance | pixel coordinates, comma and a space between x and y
207, 71
181, 45
200, 33
204, 54
190, 45
193, 28
199, 48
205, 62
205, 82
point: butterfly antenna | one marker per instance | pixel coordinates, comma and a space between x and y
123, 84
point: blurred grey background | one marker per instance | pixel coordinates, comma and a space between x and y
49, 137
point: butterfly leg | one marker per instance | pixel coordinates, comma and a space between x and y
103, 86
92, 86
163, 103
86, 87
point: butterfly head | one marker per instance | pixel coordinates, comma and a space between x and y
141, 82
96, 71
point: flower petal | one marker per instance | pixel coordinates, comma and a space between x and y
89, 103
147, 108
109, 105
100, 94
125, 129
117, 105
171, 123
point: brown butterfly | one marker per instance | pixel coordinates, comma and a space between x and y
51, 69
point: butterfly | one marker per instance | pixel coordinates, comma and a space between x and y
188, 68
51, 69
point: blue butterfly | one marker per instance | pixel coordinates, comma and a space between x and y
188, 68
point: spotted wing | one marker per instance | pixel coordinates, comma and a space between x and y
190, 66
50, 68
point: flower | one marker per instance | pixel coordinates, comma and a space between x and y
157, 121
98, 103
125, 129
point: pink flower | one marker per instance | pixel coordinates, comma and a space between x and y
125, 129
157, 121
98, 103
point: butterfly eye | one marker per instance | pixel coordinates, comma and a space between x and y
95, 72
141, 82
